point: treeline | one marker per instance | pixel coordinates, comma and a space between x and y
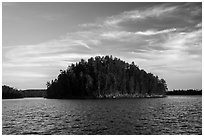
34, 93
11, 93
105, 77
185, 92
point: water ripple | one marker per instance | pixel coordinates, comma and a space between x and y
171, 115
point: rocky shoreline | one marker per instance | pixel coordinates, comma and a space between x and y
116, 96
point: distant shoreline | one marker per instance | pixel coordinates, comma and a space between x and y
184, 92
41, 93
100, 98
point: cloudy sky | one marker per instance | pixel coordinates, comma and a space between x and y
39, 39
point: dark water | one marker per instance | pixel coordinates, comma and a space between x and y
170, 115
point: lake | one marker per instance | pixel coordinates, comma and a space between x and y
170, 115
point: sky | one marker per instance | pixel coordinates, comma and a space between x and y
40, 39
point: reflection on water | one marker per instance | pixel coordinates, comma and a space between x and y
171, 115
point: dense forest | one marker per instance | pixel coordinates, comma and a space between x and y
105, 77
184, 92
33, 93
10, 92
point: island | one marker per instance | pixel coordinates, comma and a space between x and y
105, 77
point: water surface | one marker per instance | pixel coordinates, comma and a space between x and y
170, 115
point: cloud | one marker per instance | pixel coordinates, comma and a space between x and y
25, 75
116, 35
82, 43
115, 21
199, 25
90, 25
159, 17
135, 15
154, 32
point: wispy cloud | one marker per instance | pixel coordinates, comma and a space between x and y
82, 43
136, 15
155, 32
